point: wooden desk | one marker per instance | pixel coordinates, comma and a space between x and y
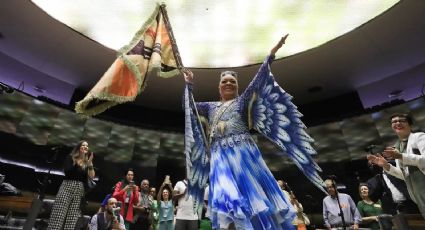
16, 204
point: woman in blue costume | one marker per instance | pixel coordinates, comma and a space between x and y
218, 146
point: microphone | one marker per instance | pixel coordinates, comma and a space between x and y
116, 211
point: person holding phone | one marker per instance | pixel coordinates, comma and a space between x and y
109, 219
78, 167
128, 194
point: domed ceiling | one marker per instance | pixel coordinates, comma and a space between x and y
220, 33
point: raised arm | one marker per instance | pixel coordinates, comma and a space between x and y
188, 75
262, 74
177, 193
90, 171
278, 45
159, 194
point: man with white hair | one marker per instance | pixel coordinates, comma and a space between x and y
334, 204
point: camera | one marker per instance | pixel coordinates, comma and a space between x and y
167, 179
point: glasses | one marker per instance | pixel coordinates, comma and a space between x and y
398, 120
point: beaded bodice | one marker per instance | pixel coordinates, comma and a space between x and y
225, 120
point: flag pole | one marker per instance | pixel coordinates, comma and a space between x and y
171, 35
180, 66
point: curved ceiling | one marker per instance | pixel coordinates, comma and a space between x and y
44, 57
220, 34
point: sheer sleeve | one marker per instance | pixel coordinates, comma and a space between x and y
270, 111
196, 148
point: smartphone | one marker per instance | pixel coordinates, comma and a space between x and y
131, 183
167, 179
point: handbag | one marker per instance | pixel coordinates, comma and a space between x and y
91, 184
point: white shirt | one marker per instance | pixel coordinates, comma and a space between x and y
395, 193
93, 222
206, 194
185, 204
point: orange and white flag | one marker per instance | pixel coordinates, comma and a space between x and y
149, 50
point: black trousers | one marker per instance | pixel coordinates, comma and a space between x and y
186, 224
142, 223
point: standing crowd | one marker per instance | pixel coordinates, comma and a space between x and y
142, 207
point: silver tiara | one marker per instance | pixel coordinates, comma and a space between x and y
229, 72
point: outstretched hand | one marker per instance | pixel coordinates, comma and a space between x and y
378, 160
279, 44
188, 75
392, 153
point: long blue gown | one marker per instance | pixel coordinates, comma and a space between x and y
220, 148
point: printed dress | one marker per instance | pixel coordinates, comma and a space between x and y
219, 148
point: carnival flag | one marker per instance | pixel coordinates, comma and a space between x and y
151, 49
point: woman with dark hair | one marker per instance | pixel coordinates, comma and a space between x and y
78, 167
165, 207
127, 192
368, 209
409, 155
243, 191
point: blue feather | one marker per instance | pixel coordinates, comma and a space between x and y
275, 116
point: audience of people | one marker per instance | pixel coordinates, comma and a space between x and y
142, 207
409, 155
301, 220
128, 194
392, 192
78, 167
336, 202
401, 182
154, 209
368, 209
108, 219
186, 218
166, 207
